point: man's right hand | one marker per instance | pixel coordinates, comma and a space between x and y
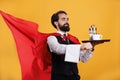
86, 46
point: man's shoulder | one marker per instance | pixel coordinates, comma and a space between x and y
74, 39
72, 36
53, 35
57, 34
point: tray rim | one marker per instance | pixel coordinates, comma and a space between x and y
103, 40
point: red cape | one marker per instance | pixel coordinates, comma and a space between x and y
35, 59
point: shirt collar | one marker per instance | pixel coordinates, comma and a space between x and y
62, 33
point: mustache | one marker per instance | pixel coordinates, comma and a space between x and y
66, 24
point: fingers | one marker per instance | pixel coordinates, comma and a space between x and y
86, 46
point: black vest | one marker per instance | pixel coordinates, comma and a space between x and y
59, 66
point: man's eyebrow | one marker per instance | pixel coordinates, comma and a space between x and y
65, 18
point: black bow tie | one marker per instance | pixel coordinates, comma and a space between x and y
65, 38
64, 35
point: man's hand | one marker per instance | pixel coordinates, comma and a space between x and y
86, 46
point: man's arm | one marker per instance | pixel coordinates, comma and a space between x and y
61, 48
85, 55
55, 46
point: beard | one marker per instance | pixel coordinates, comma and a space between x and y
65, 27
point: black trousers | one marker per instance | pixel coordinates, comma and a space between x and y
65, 77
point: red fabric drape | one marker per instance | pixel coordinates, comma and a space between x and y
35, 59
33, 64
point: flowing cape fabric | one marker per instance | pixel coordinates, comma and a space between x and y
35, 59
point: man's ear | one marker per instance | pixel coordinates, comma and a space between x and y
56, 23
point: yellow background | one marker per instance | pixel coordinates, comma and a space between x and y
105, 14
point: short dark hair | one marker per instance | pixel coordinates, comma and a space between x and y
55, 17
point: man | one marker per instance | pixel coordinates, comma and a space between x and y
62, 70
36, 65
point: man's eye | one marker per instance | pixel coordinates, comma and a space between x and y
68, 19
63, 18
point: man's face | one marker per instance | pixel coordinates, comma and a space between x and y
63, 22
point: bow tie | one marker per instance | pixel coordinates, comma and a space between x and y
65, 37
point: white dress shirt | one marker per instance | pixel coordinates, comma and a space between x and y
59, 49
